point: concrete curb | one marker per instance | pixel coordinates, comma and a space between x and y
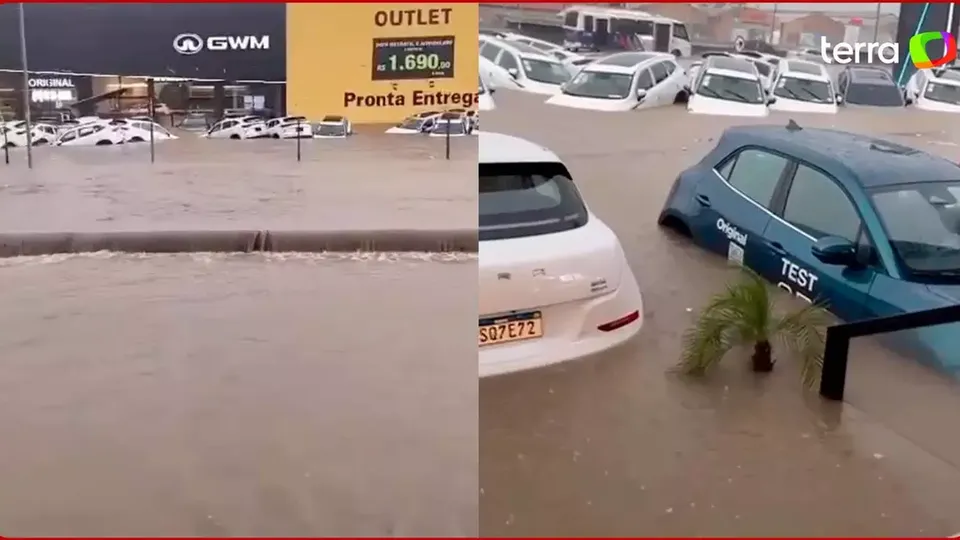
28, 244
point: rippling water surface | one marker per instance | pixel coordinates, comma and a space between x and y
238, 395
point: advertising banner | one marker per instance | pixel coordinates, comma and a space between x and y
377, 63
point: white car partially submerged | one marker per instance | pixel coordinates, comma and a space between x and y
451, 124
624, 82
333, 127
485, 100
802, 86
244, 127
554, 282
935, 90
517, 66
415, 123
289, 127
728, 87
14, 134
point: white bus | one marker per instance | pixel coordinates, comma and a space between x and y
601, 28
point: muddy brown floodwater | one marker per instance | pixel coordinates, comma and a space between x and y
369, 181
619, 445
240, 395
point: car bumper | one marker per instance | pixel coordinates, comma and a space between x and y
570, 332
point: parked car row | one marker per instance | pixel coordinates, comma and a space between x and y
86, 131
453, 123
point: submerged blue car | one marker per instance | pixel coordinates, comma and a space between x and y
869, 227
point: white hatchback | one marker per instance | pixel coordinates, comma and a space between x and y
554, 282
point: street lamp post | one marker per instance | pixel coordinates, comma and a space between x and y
26, 87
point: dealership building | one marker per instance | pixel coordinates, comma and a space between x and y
374, 63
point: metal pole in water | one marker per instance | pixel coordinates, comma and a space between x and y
152, 110
298, 140
876, 22
447, 138
6, 145
26, 87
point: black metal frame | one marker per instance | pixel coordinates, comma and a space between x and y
833, 378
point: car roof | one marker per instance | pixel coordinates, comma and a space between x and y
500, 148
869, 74
521, 48
804, 68
867, 161
735, 73
731, 64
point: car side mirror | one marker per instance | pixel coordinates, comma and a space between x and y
771, 100
835, 250
839, 98
907, 101
641, 94
513, 72
491, 90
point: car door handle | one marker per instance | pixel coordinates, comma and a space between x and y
777, 248
702, 199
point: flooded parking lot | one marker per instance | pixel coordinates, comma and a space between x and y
203, 394
368, 181
238, 395
618, 445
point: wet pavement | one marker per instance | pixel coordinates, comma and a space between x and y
238, 395
620, 445
369, 181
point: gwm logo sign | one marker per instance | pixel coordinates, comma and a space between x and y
193, 43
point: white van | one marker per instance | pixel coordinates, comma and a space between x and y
935, 90
521, 67
554, 282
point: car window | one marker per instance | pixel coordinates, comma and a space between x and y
490, 51
644, 80
527, 199
508, 61
819, 207
680, 32
659, 72
69, 136
670, 67
755, 174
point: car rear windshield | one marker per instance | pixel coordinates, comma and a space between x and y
527, 199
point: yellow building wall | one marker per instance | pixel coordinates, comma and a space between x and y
331, 59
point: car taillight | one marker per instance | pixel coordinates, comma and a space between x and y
619, 323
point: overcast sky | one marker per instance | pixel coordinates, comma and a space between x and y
886, 7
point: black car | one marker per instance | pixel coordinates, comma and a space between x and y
873, 87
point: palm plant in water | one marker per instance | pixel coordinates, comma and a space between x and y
746, 314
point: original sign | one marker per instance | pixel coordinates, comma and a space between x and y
418, 98
413, 58
58, 82
412, 17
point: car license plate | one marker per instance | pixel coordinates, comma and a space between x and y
511, 328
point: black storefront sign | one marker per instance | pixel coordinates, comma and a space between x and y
238, 42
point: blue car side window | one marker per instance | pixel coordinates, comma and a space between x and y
819, 207
755, 174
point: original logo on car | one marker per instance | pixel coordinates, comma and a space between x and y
731, 232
